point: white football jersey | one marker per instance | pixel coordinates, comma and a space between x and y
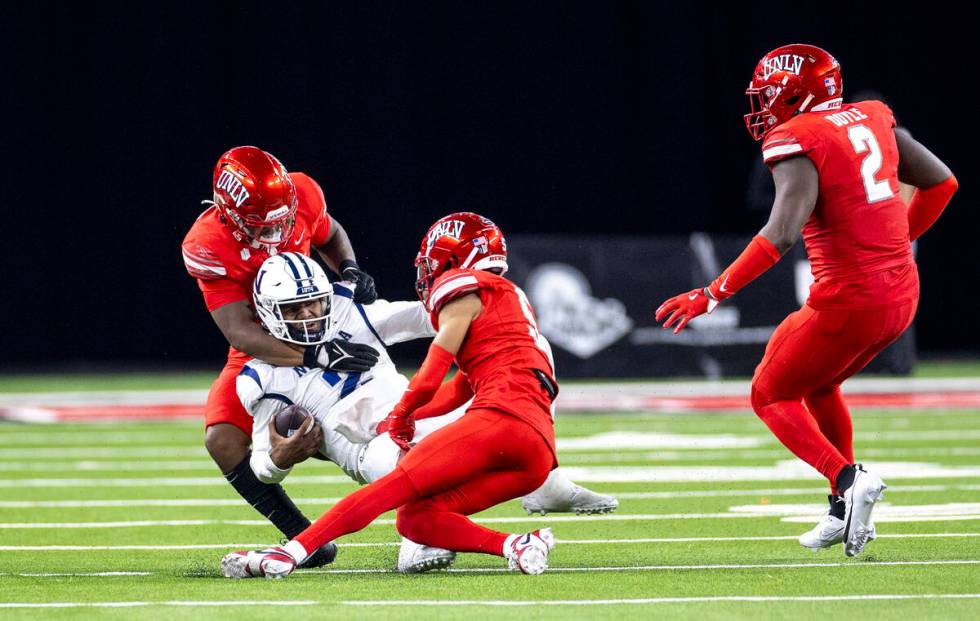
347, 406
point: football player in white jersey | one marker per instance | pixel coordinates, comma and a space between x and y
297, 304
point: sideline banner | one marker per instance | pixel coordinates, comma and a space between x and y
595, 296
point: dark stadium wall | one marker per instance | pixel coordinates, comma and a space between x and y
549, 117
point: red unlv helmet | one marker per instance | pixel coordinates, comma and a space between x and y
788, 81
256, 196
464, 240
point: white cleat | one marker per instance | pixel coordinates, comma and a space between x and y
559, 495
860, 499
829, 532
529, 553
271, 563
415, 558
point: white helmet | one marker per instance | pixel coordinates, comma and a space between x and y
291, 278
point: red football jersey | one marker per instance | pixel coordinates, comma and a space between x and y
857, 238
225, 267
502, 348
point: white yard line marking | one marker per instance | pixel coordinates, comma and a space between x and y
209, 546
386, 544
499, 520
786, 470
91, 452
235, 502
701, 456
578, 569
620, 440
242, 603
157, 502
884, 512
795, 491
100, 574
111, 466
216, 480
663, 600
166, 437
477, 570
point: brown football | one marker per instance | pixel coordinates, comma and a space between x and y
290, 420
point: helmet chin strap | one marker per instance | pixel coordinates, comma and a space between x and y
806, 102
471, 256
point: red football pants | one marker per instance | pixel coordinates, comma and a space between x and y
808, 357
223, 405
479, 461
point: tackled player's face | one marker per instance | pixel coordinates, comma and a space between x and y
305, 318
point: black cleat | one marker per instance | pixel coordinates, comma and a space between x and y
324, 555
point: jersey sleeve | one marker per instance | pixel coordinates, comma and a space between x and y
399, 321
201, 263
249, 386
451, 286
316, 204
873, 106
220, 292
212, 276
782, 143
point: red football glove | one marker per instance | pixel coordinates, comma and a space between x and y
685, 307
400, 426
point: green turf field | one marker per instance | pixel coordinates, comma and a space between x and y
201, 379
693, 547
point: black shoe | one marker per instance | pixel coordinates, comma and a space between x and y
324, 555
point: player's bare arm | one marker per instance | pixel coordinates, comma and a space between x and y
337, 248
917, 165
796, 195
235, 320
797, 185
338, 252
933, 180
454, 323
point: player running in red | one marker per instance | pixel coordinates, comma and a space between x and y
502, 448
259, 210
836, 169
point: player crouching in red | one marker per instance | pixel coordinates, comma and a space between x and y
836, 169
502, 448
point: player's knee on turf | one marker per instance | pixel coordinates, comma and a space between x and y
227, 445
410, 520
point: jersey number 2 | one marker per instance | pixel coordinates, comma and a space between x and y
863, 140
532, 327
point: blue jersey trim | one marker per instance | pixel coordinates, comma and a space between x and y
343, 291
277, 397
367, 321
350, 384
248, 371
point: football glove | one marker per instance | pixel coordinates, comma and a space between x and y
685, 307
340, 355
401, 428
364, 290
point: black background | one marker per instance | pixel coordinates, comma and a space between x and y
574, 117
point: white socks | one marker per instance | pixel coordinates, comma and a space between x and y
296, 550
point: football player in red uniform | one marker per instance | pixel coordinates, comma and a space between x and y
502, 448
259, 209
836, 169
